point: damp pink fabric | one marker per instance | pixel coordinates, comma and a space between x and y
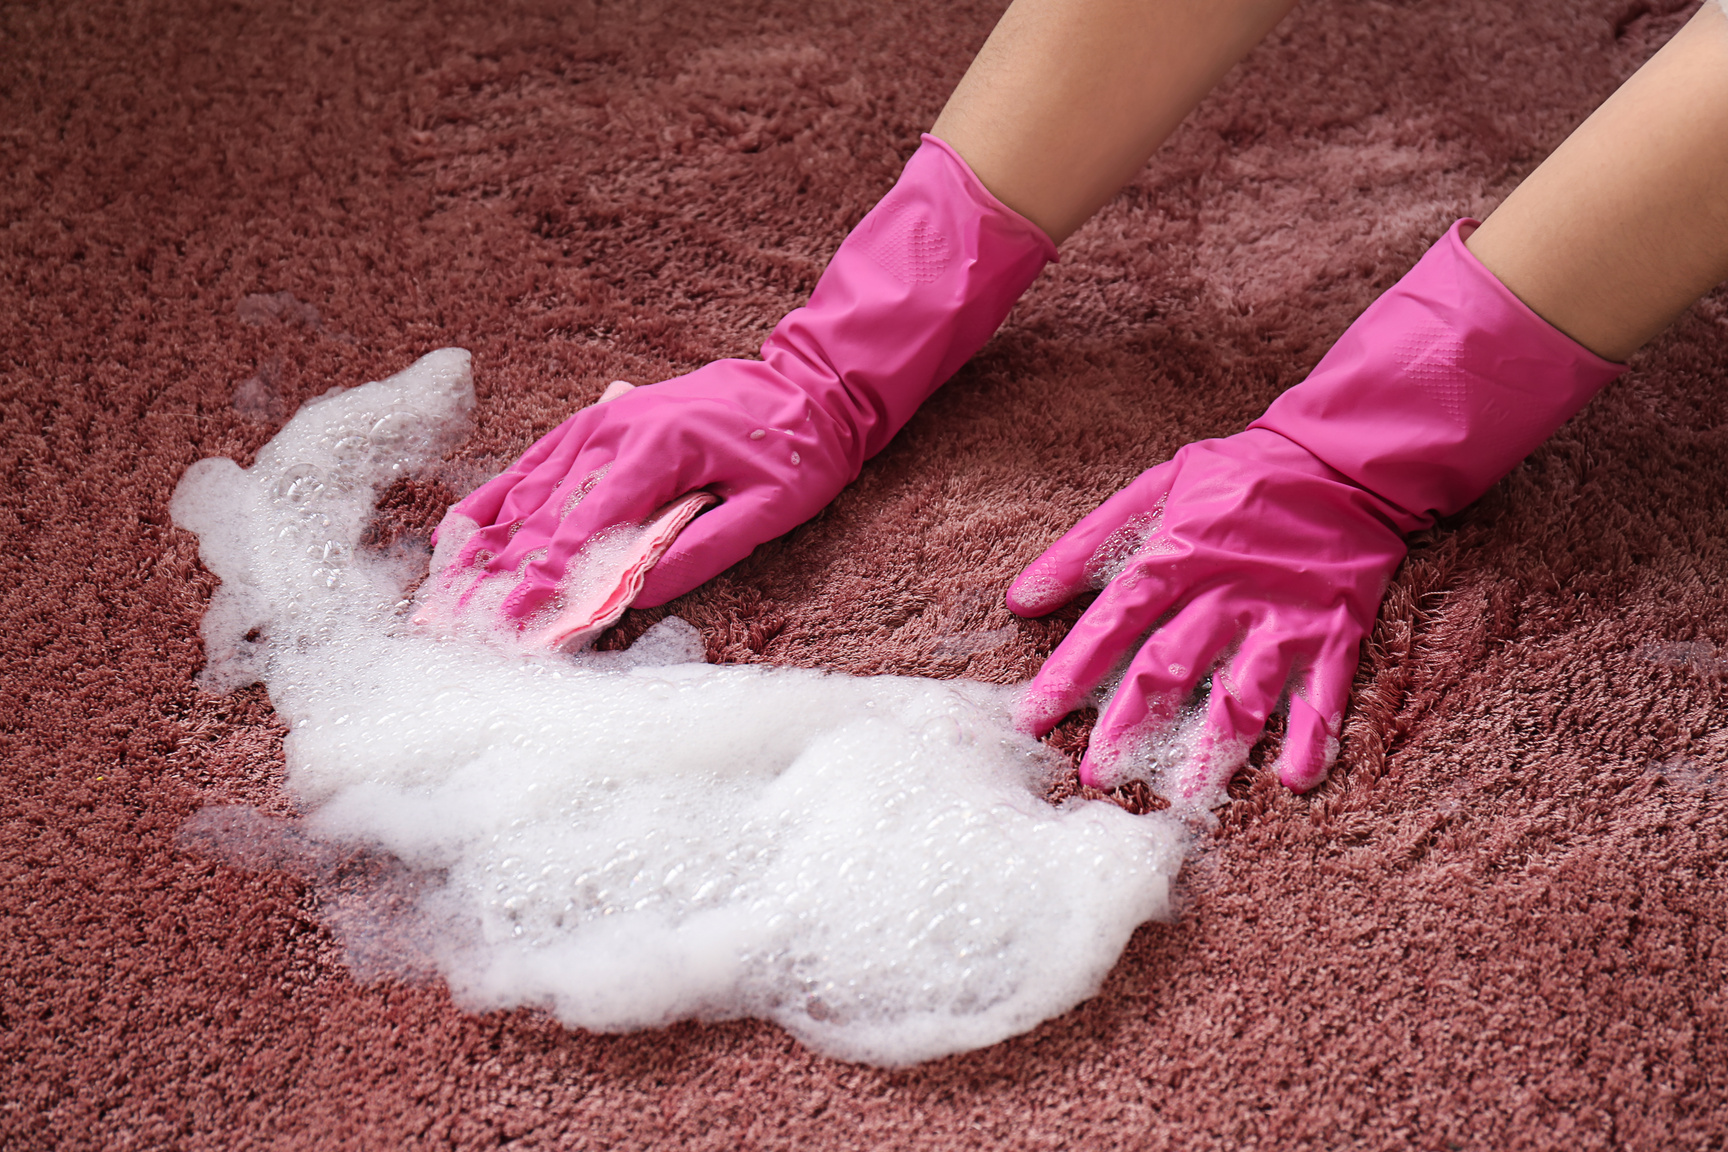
581, 621
596, 606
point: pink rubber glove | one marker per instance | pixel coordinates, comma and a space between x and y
1260, 559
917, 288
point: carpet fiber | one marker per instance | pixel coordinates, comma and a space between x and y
1500, 925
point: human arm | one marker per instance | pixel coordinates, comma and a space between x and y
1271, 548
1065, 102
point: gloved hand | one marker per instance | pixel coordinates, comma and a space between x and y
917, 288
1260, 559
1272, 563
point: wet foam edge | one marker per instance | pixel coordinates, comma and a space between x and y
630, 839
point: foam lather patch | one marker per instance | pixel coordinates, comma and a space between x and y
626, 839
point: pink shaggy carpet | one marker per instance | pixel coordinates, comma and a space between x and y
1499, 926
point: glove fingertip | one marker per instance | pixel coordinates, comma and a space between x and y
1093, 774
1038, 591
1039, 709
1311, 743
483, 503
455, 529
1127, 722
525, 599
1109, 754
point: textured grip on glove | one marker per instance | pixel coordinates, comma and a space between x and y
1440, 388
918, 287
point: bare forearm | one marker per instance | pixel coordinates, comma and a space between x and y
1626, 224
1068, 98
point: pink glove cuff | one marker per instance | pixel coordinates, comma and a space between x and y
924, 280
1440, 388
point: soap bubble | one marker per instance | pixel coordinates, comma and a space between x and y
300, 484
349, 454
396, 435
329, 553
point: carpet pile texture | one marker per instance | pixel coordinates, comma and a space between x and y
1500, 925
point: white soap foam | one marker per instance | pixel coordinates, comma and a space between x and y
1173, 752
630, 839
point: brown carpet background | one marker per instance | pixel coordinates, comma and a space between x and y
1499, 926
